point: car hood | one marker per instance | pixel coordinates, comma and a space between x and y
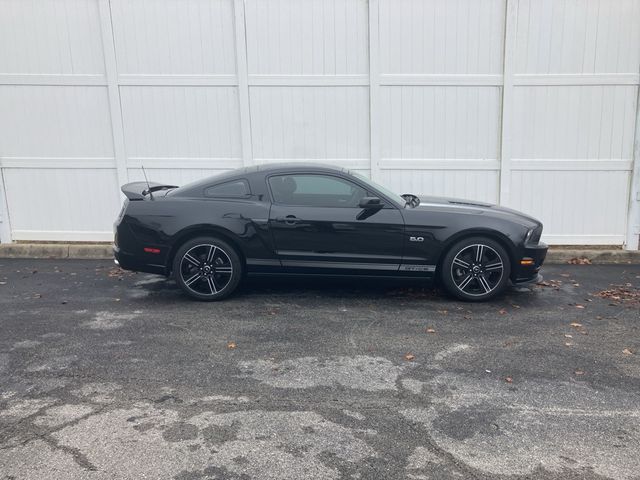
472, 207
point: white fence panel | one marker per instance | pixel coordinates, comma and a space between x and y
440, 99
163, 123
307, 37
54, 203
174, 37
310, 123
50, 37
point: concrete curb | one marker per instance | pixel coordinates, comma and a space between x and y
103, 251
55, 250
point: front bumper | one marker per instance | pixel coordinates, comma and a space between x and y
528, 263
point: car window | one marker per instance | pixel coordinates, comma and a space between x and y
235, 188
315, 191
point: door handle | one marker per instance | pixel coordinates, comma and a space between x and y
289, 219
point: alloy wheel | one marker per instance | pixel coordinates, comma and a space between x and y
206, 269
477, 270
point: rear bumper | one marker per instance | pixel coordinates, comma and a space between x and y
534, 255
131, 262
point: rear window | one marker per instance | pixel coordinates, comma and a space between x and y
232, 189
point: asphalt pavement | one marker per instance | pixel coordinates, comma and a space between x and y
106, 374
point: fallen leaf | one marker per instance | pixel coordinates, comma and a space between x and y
502, 311
628, 351
575, 324
568, 344
409, 357
508, 380
579, 372
231, 345
579, 306
580, 261
564, 275
431, 330
568, 336
625, 293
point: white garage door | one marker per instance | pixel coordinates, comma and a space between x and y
528, 103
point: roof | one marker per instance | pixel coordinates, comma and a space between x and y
264, 168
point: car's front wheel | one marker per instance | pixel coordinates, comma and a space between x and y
476, 269
207, 268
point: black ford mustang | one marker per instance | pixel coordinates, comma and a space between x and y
320, 220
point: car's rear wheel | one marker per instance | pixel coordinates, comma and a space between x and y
207, 268
476, 269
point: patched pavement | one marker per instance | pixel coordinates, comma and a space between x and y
106, 374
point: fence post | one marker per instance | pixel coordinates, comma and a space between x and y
633, 220
507, 101
5, 226
113, 89
243, 81
374, 89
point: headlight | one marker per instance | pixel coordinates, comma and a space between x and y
528, 236
533, 236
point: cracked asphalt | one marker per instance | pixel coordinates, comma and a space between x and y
106, 374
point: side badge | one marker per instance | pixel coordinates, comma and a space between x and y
416, 239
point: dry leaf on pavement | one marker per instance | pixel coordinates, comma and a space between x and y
231, 345
580, 261
409, 357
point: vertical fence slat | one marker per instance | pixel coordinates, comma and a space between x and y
115, 108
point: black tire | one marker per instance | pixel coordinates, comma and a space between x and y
207, 268
476, 269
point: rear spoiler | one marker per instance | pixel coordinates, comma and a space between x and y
139, 190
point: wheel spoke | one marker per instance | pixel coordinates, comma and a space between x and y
493, 266
479, 252
191, 260
465, 282
460, 263
484, 284
223, 269
193, 279
212, 285
212, 252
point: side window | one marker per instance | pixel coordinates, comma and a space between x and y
232, 189
315, 191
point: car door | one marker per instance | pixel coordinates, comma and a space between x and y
318, 227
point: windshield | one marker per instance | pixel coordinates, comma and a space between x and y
377, 186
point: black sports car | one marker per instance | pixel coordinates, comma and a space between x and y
320, 220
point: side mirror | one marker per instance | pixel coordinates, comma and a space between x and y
370, 202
